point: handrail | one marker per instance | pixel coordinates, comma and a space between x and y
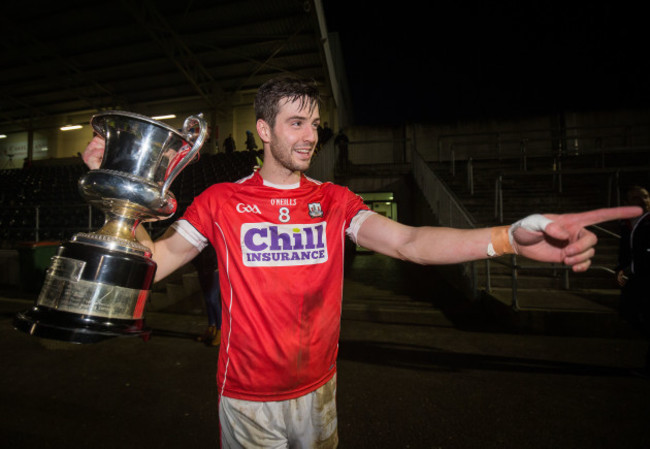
569, 140
433, 188
515, 269
444, 204
641, 125
613, 182
35, 224
520, 146
606, 231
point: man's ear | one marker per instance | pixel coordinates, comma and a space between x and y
263, 130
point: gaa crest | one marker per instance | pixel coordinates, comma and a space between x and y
315, 211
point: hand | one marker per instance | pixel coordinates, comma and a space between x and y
94, 153
621, 278
564, 238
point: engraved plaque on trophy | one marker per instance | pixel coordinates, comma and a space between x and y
99, 282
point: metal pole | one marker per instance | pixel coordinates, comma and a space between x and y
470, 176
515, 305
474, 280
500, 192
453, 160
36, 231
496, 197
488, 281
609, 191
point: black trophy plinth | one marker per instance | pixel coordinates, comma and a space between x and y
91, 293
75, 328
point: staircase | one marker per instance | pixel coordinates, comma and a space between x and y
180, 292
536, 190
363, 301
548, 290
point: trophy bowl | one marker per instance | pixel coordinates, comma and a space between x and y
99, 282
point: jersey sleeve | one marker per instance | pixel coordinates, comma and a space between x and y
195, 225
356, 213
352, 230
190, 233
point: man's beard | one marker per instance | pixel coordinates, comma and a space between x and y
284, 158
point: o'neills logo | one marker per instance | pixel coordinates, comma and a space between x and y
283, 202
272, 245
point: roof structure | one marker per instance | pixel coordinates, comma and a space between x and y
77, 56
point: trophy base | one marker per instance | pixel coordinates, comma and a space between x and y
93, 290
75, 328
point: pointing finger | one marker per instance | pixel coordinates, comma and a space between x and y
593, 217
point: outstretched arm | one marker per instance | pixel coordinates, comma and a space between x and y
423, 245
547, 238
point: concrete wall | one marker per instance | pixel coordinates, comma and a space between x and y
508, 137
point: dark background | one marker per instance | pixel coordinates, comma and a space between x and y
411, 62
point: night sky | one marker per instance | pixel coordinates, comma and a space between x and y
438, 61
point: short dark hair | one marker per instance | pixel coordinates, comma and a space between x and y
291, 88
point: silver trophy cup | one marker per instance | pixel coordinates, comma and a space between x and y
98, 282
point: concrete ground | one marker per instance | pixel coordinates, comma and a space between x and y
412, 374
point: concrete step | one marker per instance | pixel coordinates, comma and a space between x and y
159, 301
505, 281
179, 292
191, 283
589, 313
9, 267
366, 302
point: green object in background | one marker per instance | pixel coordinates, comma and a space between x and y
35, 258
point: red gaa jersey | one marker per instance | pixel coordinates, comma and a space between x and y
280, 252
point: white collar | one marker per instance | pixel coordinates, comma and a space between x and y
281, 186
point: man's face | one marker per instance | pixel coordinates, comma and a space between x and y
294, 136
640, 198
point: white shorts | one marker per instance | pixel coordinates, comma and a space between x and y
305, 422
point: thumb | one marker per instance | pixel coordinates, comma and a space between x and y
556, 231
534, 224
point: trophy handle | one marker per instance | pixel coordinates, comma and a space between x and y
186, 156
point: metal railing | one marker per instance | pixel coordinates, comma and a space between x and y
446, 207
47, 222
554, 142
59, 222
515, 269
612, 193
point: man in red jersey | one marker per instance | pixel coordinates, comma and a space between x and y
279, 237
